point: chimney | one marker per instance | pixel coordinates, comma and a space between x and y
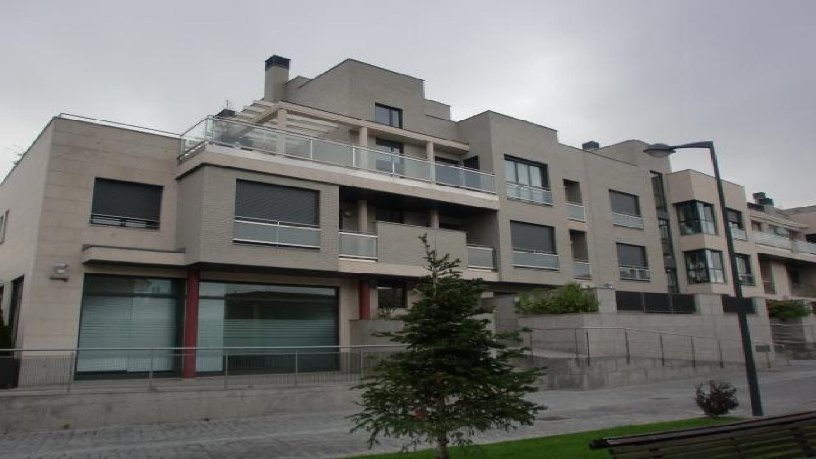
591, 145
277, 74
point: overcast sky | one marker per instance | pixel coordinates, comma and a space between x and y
740, 73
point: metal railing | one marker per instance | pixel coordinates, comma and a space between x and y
630, 221
576, 212
276, 142
747, 279
127, 222
583, 270
275, 233
481, 257
529, 193
587, 343
129, 369
637, 273
358, 245
535, 260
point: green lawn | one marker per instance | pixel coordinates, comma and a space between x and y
568, 446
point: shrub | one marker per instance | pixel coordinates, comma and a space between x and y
718, 400
567, 299
787, 310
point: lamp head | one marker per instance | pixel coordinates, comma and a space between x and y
659, 150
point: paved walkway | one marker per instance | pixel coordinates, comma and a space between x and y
786, 389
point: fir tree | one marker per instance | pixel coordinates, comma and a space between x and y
454, 378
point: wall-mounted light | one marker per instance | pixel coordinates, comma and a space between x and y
59, 271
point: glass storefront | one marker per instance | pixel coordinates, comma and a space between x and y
252, 316
126, 313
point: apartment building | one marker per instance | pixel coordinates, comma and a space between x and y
279, 224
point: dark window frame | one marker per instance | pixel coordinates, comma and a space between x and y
514, 243
692, 218
398, 287
701, 267
315, 223
393, 114
735, 218
645, 257
542, 167
744, 269
638, 209
125, 221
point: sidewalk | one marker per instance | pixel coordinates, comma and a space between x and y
326, 435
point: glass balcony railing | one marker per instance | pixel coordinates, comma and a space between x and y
583, 270
275, 233
631, 221
746, 279
804, 247
275, 142
576, 212
535, 260
528, 193
358, 245
773, 240
635, 273
480, 257
739, 233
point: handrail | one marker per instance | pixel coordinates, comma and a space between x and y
636, 330
187, 348
258, 221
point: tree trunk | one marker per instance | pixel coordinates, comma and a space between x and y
442, 447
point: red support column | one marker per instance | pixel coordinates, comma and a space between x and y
190, 324
364, 299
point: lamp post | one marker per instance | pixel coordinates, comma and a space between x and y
661, 150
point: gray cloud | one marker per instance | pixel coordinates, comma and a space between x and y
739, 73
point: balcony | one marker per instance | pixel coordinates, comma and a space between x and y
251, 231
276, 142
747, 279
535, 260
738, 233
634, 273
358, 245
529, 193
804, 247
480, 257
629, 221
583, 270
576, 212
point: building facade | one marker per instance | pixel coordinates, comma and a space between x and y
281, 224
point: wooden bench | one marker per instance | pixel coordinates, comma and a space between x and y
788, 436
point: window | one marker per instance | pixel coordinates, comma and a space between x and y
275, 204
391, 116
810, 237
632, 256
633, 264
14, 306
624, 203
391, 295
665, 237
532, 238
527, 173
696, 217
746, 276
705, 266
3, 226
795, 280
127, 204
734, 218
276, 215
659, 193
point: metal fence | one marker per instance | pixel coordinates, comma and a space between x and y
587, 343
67, 370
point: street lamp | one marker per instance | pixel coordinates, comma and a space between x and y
661, 150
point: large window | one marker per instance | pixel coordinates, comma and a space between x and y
532, 238
665, 237
129, 312
527, 173
255, 315
696, 217
276, 215
3, 225
705, 266
391, 163
659, 192
389, 215
391, 116
734, 218
128, 204
391, 296
746, 275
14, 306
624, 203
633, 264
